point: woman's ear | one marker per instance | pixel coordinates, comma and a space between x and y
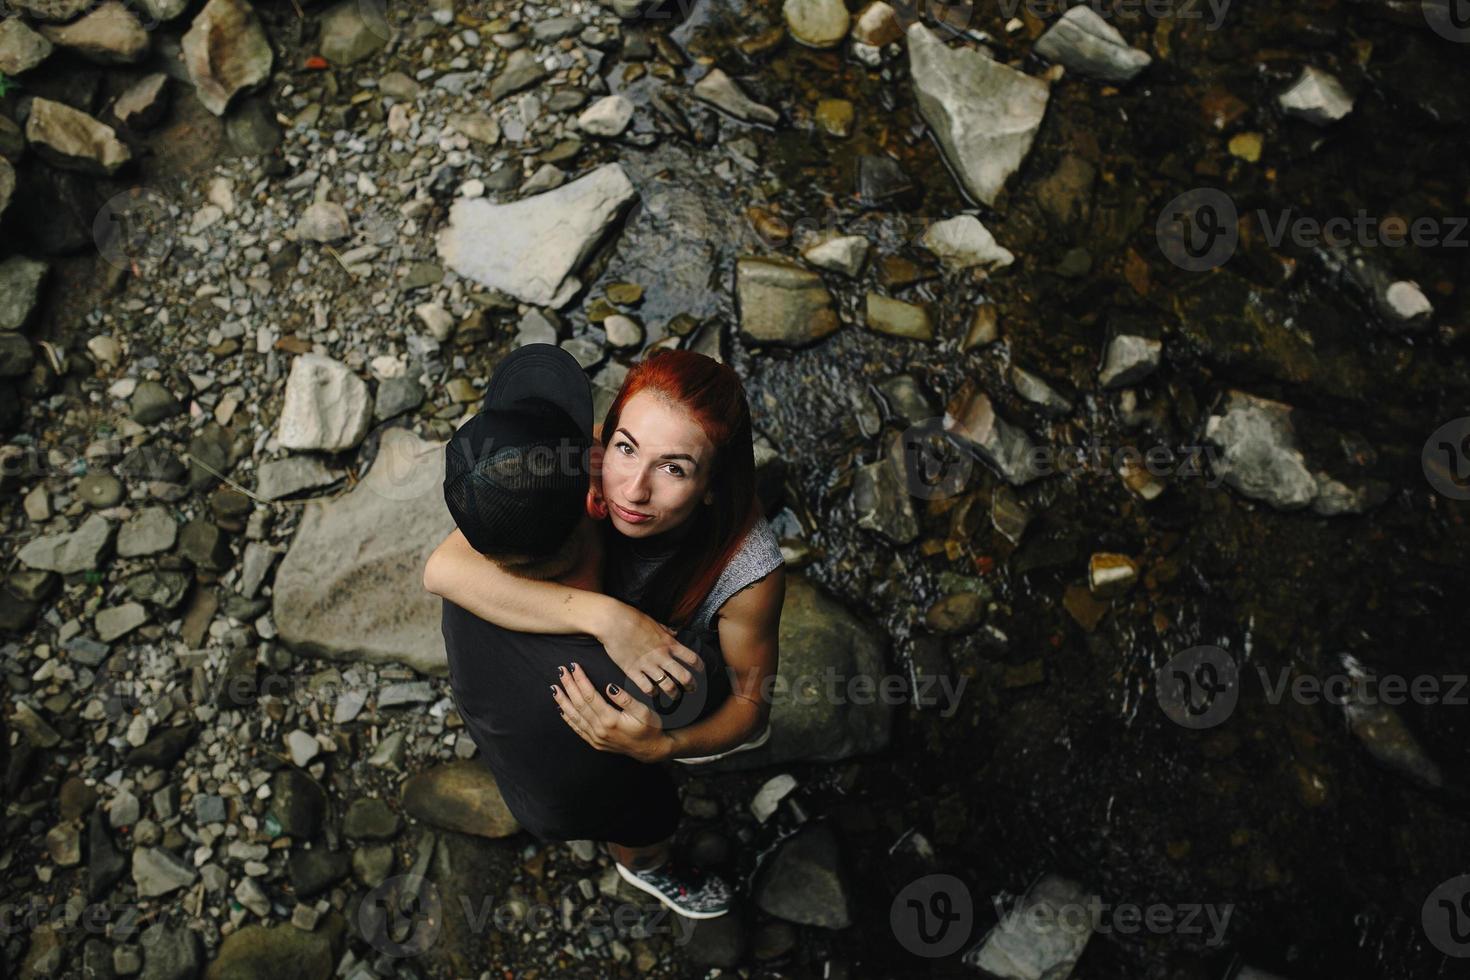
596, 506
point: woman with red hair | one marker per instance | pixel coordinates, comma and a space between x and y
684, 543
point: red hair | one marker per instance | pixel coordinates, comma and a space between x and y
712, 395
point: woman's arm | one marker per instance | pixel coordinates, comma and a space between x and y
644, 649
459, 573
749, 624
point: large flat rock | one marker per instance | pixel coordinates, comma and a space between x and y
351, 585
532, 248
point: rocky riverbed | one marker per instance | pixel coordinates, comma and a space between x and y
1097, 464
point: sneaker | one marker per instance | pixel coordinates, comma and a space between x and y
754, 743
693, 893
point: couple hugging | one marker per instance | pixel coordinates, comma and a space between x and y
575, 545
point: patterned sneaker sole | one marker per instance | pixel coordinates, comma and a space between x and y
688, 913
754, 743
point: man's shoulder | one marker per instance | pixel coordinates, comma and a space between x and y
460, 622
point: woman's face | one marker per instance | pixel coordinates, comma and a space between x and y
656, 470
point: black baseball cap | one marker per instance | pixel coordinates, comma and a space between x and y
516, 475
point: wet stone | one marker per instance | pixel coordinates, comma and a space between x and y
816, 23
983, 113
782, 303
1084, 42
721, 91
844, 253
881, 181
899, 319
802, 883
835, 117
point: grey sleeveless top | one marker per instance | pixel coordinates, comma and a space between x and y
759, 554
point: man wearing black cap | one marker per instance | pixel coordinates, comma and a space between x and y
516, 481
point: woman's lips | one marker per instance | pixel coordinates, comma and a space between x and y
632, 517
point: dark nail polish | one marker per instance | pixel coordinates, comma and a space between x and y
561, 671
553, 689
612, 689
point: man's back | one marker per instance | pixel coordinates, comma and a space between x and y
555, 784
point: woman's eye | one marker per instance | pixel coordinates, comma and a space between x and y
624, 445
675, 469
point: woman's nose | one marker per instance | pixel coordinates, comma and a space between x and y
638, 487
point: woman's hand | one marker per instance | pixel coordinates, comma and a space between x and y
646, 650
632, 731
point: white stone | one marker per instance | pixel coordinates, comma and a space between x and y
327, 406
1129, 359
324, 221
608, 116
984, 114
844, 253
622, 331
770, 795
157, 872
71, 139
532, 248
720, 91
1084, 42
439, 320
962, 242
75, 551
303, 747
1404, 301
1317, 97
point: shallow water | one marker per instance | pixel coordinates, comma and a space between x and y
1059, 757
